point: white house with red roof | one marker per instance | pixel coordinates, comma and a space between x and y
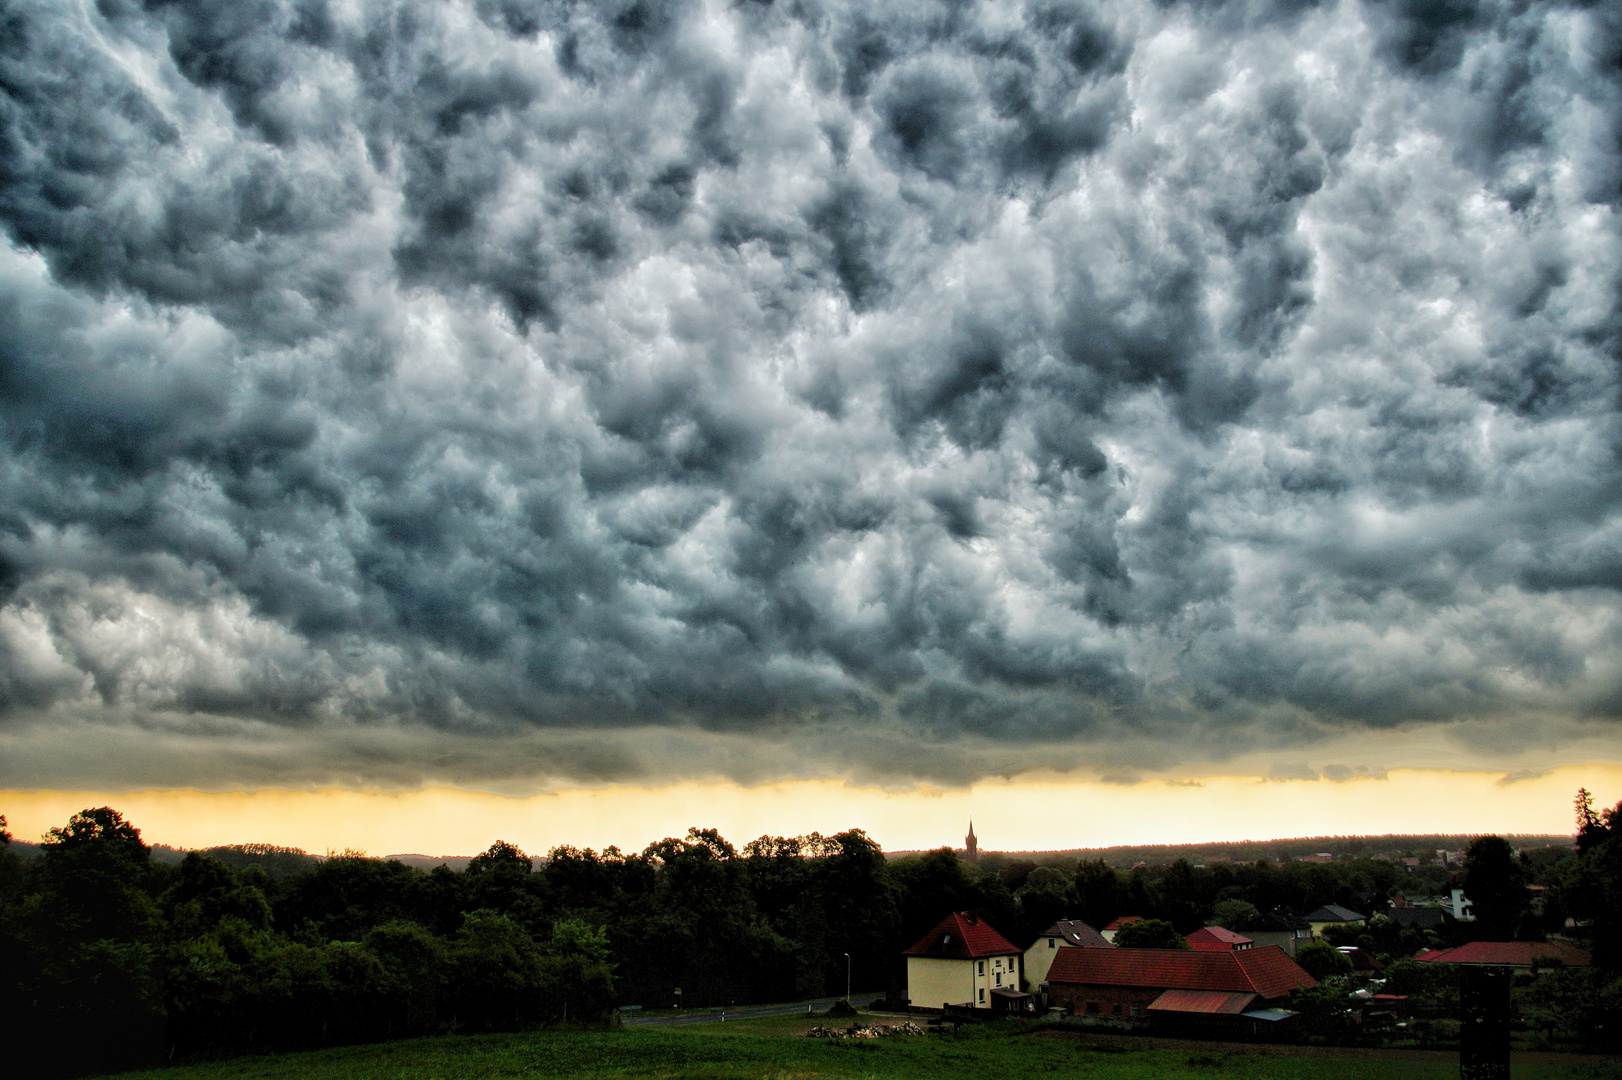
962, 961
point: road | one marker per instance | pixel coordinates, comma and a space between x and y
662, 1018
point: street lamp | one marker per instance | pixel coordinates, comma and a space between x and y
847, 978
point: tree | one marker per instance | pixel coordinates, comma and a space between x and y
1323, 961
1149, 934
1235, 914
1100, 895
1496, 886
90, 936
1593, 891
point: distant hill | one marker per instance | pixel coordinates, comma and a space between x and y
161, 853
429, 862
1341, 847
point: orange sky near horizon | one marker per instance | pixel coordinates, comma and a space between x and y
1029, 813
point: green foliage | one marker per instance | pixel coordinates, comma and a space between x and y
1592, 890
1149, 934
1100, 893
1435, 986
1323, 1010
1323, 961
1235, 914
1496, 886
1582, 1004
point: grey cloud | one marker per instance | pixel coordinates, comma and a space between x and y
900, 390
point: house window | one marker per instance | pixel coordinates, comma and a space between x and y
1115, 1010
997, 963
1133, 1011
999, 978
1092, 1008
1050, 943
982, 993
982, 967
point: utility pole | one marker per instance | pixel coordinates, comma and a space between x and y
847, 978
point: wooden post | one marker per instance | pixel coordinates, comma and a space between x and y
1484, 1022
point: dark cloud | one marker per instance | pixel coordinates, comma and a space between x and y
499, 391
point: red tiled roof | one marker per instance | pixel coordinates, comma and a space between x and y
1267, 971
1217, 937
1124, 920
1508, 953
1201, 1001
962, 936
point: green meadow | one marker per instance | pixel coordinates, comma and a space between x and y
773, 1049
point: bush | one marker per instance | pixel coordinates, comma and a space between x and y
1149, 934
1323, 961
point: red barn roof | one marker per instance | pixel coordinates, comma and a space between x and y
962, 936
1124, 920
1214, 1002
1218, 938
1509, 954
1266, 971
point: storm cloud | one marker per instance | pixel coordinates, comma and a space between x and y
485, 392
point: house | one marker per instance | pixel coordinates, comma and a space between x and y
1512, 954
1459, 904
962, 961
1279, 927
1425, 918
1172, 984
1109, 932
1218, 939
1333, 915
1364, 966
1064, 934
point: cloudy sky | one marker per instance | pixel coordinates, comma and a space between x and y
510, 395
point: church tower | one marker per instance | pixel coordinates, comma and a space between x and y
971, 850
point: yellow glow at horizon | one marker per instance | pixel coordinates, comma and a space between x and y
1020, 814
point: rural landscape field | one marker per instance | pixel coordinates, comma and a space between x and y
776, 1050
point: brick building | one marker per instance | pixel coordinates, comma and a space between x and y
1127, 984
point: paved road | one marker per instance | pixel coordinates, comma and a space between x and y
742, 1012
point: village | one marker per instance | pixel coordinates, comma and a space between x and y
1138, 973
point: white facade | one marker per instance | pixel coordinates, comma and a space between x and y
933, 982
1039, 957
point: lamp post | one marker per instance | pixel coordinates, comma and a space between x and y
847, 978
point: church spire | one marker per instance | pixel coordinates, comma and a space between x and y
971, 849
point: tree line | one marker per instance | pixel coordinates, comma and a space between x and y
109, 958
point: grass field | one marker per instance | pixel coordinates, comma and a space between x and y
771, 1050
